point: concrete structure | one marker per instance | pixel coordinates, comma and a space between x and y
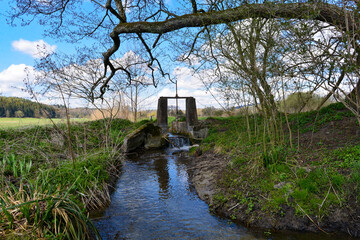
191, 113
162, 115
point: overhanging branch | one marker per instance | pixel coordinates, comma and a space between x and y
324, 12
329, 13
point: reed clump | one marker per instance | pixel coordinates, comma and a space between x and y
34, 212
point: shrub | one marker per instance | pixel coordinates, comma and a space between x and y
295, 101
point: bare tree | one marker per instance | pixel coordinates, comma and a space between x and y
136, 67
62, 77
113, 22
248, 51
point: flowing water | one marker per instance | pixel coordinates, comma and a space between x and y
154, 199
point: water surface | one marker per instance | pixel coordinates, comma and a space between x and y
155, 200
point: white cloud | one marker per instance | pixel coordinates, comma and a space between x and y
11, 80
203, 98
36, 49
186, 79
188, 86
12, 85
72, 102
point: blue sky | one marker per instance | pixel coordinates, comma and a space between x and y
17, 46
10, 34
19, 52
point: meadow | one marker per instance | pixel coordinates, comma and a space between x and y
6, 123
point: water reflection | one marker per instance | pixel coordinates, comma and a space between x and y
153, 200
162, 170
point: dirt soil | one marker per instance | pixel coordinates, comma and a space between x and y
207, 169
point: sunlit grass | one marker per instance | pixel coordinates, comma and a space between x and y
310, 179
6, 123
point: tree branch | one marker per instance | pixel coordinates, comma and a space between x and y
121, 17
194, 6
324, 12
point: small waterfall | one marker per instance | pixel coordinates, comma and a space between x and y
177, 141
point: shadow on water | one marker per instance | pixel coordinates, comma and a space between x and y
155, 200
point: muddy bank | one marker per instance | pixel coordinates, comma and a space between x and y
207, 169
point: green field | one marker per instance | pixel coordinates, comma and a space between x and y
22, 122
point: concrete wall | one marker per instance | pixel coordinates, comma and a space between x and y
162, 114
191, 113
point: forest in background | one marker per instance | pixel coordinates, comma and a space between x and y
19, 107
23, 108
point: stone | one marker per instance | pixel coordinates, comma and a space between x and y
279, 185
154, 142
133, 142
147, 135
191, 113
201, 133
179, 128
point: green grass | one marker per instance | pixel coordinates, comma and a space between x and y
39, 156
6, 123
313, 120
312, 187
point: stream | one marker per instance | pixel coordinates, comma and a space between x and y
154, 199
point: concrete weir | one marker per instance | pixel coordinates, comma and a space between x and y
191, 113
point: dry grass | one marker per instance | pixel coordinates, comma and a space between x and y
29, 212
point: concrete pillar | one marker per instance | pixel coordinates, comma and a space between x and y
191, 114
162, 115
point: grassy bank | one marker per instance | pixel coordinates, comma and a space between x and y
267, 178
50, 180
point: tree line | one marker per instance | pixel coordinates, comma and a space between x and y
19, 107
